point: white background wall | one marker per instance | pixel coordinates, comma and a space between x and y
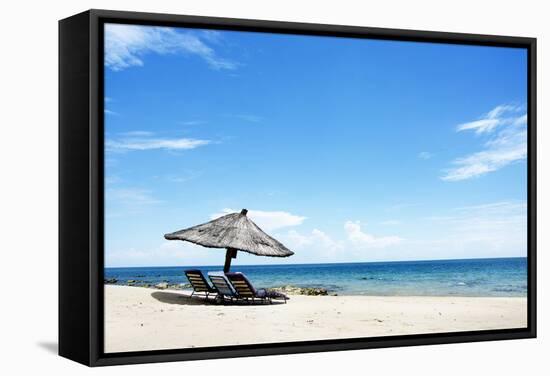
28, 189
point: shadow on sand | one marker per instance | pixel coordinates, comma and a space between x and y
175, 298
180, 299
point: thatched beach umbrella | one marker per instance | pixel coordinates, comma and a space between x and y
235, 232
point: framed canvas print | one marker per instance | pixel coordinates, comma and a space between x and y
240, 187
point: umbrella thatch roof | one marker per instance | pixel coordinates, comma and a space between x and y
235, 231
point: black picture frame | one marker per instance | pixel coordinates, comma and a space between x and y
81, 187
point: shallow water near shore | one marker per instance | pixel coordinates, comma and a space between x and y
471, 277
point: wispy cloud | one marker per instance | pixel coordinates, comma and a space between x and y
125, 46
110, 112
166, 253
267, 220
112, 179
133, 141
192, 122
495, 208
391, 222
130, 196
506, 127
401, 206
138, 134
498, 228
106, 110
425, 155
211, 36
498, 116
361, 239
179, 177
247, 117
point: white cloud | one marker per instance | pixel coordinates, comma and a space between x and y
125, 46
267, 220
506, 145
364, 240
351, 246
497, 229
146, 142
425, 155
316, 238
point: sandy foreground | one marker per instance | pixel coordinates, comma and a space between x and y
139, 318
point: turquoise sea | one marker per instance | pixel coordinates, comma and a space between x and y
471, 277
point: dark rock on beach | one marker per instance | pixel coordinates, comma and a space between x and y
110, 281
161, 286
315, 291
294, 290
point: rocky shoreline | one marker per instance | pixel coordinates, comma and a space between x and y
147, 284
295, 290
165, 285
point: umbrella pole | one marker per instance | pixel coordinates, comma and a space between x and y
231, 253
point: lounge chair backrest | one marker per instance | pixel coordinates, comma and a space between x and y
197, 280
221, 283
242, 285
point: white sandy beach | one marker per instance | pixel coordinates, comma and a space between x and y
139, 318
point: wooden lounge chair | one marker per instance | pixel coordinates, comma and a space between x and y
199, 283
223, 286
246, 290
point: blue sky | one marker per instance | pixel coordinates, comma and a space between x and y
343, 149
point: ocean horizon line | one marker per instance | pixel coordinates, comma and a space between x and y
323, 263
503, 276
